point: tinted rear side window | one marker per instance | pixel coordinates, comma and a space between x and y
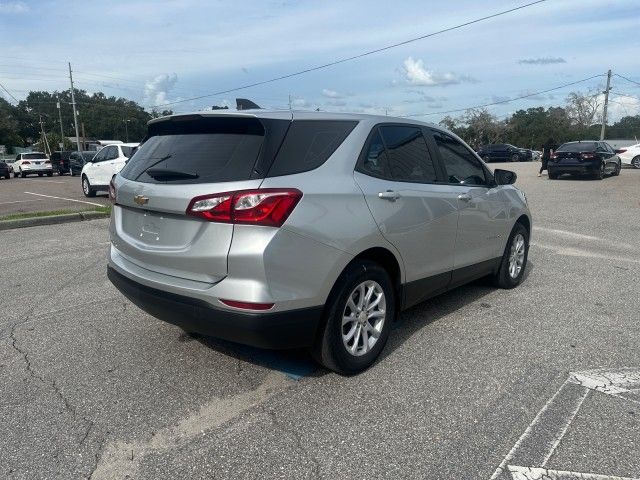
206, 150
308, 144
409, 158
578, 147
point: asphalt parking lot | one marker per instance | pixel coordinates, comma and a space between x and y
43, 194
539, 382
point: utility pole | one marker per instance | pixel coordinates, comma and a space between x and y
45, 142
75, 114
606, 104
289, 102
84, 138
61, 128
126, 128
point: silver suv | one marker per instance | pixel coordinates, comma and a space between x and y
280, 229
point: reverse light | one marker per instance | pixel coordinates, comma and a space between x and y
266, 207
247, 305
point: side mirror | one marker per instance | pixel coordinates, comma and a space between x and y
504, 177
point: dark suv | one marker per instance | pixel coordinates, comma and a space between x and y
5, 171
588, 157
60, 161
504, 152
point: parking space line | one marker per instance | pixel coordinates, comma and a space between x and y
22, 201
532, 473
67, 199
52, 181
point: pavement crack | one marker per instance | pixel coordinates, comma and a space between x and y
298, 440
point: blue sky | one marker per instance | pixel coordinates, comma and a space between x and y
161, 51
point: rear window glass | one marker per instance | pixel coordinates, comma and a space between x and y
33, 156
199, 150
578, 147
88, 156
308, 144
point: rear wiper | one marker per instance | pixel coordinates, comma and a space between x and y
158, 173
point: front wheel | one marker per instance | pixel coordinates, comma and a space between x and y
636, 161
616, 171
514, 259
358, 319
49, 174
87, 189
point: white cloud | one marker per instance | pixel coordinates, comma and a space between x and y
13, 7
331, 93
156, 90
542, 60
299, 102
416, 74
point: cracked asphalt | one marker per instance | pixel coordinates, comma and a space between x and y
91, 387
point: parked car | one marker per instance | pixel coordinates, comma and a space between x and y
98, 172
630, 155
588, 157
503, 152
60, 161
5, 171
281, 229
77, 161
32, 163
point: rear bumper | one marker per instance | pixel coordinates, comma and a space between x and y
277, 330
583, 168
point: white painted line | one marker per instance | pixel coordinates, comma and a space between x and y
616, 383
567, 233
507, 459
530, 473
51, 181
567, 423
67, 199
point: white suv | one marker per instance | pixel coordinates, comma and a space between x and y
31, 163
98, 172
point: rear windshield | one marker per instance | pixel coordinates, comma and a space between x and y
126, 151
86, 156
578, 147
33, 156
197, 150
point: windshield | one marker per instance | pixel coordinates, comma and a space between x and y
578, 147
33, 156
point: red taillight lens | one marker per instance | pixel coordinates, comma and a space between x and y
267, 207
247, 305
112, 192
588, 155
47, 162
26, 162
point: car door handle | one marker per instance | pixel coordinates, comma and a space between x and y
465, 197
389, 195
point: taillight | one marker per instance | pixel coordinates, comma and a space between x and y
588, 155
554, 155
621, 150
267, 207
26, 162
247, 305
47, 162
112, 192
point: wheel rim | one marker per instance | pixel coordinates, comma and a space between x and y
636, 162
85, 186
516, 256
363, 318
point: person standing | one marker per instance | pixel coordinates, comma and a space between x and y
547, 151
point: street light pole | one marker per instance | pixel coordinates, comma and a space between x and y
61, 128
75, 114
606, 104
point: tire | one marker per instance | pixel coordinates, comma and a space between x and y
16, 175
7, 176
635, 161
616, 172
515, 158
87, 189
552, 176
504, 277
599, 175
49, 174
23, 175
334, 349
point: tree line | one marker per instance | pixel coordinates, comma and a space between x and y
106, 117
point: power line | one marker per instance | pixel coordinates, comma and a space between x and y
500, 102
627, 79
347, 59
10, 94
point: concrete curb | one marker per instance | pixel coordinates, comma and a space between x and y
51, 220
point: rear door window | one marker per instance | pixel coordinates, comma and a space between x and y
198, 150
308, 144
375, 162
409, 158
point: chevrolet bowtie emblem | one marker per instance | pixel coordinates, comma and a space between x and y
140, 200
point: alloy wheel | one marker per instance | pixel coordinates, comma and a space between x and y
363, 318
636, 162
516, 255
85, 186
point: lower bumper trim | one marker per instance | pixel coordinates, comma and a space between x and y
277, 330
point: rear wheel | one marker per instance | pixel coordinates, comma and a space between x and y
23, 175
552, 175
616, 171
49, 174
514, 259
87, 189
7, 176
515, 158
600, 173
636, 161
358, 319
